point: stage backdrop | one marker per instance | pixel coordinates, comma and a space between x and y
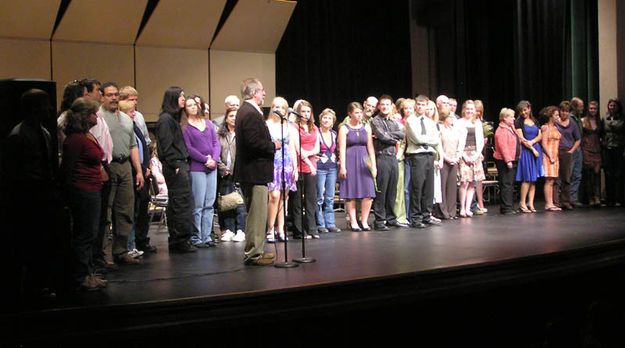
334, 52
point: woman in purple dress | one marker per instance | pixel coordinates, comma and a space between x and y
357, 167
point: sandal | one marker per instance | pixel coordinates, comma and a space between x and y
524, 209
553, 208
532, 209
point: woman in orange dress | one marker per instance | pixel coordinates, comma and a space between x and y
550, 145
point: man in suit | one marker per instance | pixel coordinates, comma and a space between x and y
253, 169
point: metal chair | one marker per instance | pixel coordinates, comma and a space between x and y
158, 203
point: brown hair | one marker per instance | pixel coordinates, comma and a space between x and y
77, 116
311, 120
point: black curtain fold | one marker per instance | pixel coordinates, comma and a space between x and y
541, 51
336, 52
499, 51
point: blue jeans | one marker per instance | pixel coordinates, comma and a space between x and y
326, 184
576, 174
204, 190
407, 187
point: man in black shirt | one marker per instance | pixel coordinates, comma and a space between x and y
386, 135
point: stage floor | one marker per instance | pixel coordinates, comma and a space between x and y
347, 256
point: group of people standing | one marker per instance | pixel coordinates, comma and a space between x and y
109, 161
565, 145
413, 161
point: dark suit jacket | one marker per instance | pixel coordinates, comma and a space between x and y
255, 150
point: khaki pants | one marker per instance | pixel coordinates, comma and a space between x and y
121, 203
256, 197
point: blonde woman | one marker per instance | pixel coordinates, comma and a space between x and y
431, 111
326, 172
284, 159
470, 165
402, 204
479, 190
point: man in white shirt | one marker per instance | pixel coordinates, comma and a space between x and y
422, 138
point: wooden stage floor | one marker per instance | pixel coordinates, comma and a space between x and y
351, 256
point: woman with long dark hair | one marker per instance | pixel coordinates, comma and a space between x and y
174, 156
530, 166
613, 143
72, 91
231, 220
591, 154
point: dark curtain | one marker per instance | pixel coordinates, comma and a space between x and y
556, 50
499, 51
335, 52
542, 51
502, 52
584, 50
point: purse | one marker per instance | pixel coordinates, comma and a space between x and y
229, 201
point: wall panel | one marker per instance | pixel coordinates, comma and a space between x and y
228, 69
160, 68
24, 58
105, 62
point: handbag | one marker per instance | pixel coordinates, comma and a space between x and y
229, 201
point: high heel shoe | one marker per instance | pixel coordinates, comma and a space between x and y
282, 237
356, 229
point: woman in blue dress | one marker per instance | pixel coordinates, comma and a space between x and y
276, 193
530, 166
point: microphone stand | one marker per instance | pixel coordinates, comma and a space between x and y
286, 263
302, 196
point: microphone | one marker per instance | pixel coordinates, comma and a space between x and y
291, 111
277, 112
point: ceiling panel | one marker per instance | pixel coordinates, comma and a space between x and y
182, 23
255, 26
110, 21
32, 19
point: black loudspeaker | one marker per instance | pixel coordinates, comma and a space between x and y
11, 90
